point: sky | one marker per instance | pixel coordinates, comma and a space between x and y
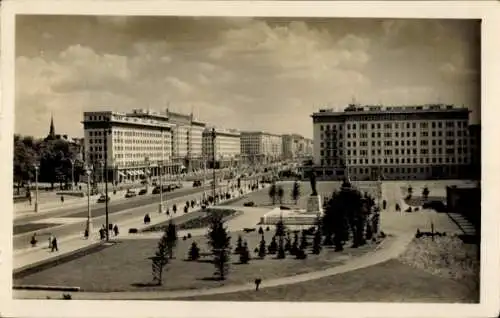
244, 73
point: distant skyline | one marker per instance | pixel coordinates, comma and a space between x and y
244, 73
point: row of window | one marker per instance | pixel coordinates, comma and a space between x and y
391, 170
390, 143
460, 160
413, 125
408, 134
402, 151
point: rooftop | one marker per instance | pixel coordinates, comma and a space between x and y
367, 109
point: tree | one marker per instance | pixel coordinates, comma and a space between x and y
316, 248
239, 245
171, 238
24, 159
244, 254
273, 246
194, 252
262, 247
425, 193
273, 192
220, 242
280, 233
281, 194
160, 259
296, 192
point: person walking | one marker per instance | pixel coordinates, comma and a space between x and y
50, 241
62, 198
115, 229
33, 240
54, 245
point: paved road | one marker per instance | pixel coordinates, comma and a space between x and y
77, 225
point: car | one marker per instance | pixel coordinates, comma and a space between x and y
196, 183
103, 198
130, 194
165, 188
143, 192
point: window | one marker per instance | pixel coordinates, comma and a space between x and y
423, 125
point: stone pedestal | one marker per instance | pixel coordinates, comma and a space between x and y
314, 205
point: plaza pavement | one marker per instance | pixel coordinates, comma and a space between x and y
400, 226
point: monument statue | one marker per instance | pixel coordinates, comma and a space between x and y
312, 179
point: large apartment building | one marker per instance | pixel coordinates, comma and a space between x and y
227, 147
138, 142
411, 142
295, 146
261, 147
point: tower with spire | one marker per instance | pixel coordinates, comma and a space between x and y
52, 129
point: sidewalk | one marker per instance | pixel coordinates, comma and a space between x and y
68, 244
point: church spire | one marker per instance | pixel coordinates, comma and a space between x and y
52, 131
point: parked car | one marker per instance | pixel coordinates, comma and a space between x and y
166, 188
143, 192
103, 198
130, 194
196, 183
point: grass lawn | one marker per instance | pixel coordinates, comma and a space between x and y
324, 189
391, 281
123, 266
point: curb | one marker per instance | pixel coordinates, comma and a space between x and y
47, 287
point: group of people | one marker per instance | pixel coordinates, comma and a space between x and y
103, 231
53, 247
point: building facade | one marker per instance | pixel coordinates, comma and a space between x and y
295, 146
132, 146
261, 147
227, 147
413, 142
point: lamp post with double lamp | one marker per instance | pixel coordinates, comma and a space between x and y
72, 161
106, 132
161, 164
213, 135
88, 230
37, 167
146, 172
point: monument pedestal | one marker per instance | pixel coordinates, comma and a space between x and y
314, 205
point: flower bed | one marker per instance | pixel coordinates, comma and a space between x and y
204, 220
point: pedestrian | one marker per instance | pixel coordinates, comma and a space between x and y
101, 233
50, 241
54, 245
62, 198
33, 240
115, 229
257, 283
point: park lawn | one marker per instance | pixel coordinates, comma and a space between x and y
390, 281
324, 189
125, 266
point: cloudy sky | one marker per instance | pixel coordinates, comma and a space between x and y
258, 74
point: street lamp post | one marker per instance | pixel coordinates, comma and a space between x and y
36, 186
72, 161
213, 158
106, 132
89, 216
160, 207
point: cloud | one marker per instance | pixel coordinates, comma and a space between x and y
240, 72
